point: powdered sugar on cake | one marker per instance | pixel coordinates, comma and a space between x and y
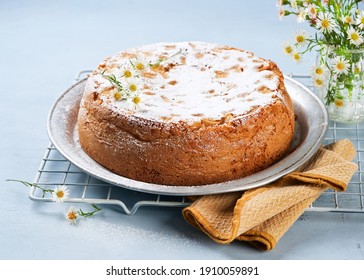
186, 81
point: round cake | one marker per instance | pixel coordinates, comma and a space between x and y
186, 113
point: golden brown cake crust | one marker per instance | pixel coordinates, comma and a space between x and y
197, 152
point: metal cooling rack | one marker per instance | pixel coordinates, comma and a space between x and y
55, 170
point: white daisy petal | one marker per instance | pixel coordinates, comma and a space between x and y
359, 20
311, 11
60, 193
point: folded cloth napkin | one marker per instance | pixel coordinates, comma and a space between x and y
262, 215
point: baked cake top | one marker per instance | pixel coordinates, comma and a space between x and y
185, 81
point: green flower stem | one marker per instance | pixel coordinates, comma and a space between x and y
114, 81
44, 190
162, 60
89, 214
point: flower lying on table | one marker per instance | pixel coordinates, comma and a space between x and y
59, 194
338, 40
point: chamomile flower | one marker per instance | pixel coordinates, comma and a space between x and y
136, 99
354, 37
325, 22
297, 56
301, 16
118, 95
293, 4
357, 67
318, 71
311, 11
318, 81
133, 87
325, 2
287, 48
282, 13
301, 37
340, 65
60, 193
127, 73
72, 215
339, 102
347, 19
359, 20
139, 65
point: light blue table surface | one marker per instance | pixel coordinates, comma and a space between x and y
43, 44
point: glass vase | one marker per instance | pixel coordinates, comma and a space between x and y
342, 89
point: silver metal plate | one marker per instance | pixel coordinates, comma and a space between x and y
311, 127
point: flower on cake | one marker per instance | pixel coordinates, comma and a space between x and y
132, 86
139, 64
128, 83
136, 99
127, 73
118, 95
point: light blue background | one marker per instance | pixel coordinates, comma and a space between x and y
43, 44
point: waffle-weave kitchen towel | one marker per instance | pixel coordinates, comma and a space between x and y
262, 215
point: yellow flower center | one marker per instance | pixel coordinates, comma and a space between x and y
325, 23
300, 39
319, 71
288, 49
117, 95
362, 20
140, 66
296, 56
133, 87
354, 36
338, 102
356, 70
60, 194
127, 74
319, 82
136, 99
340, 66
71, 215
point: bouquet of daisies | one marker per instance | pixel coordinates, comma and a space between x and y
338, 40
